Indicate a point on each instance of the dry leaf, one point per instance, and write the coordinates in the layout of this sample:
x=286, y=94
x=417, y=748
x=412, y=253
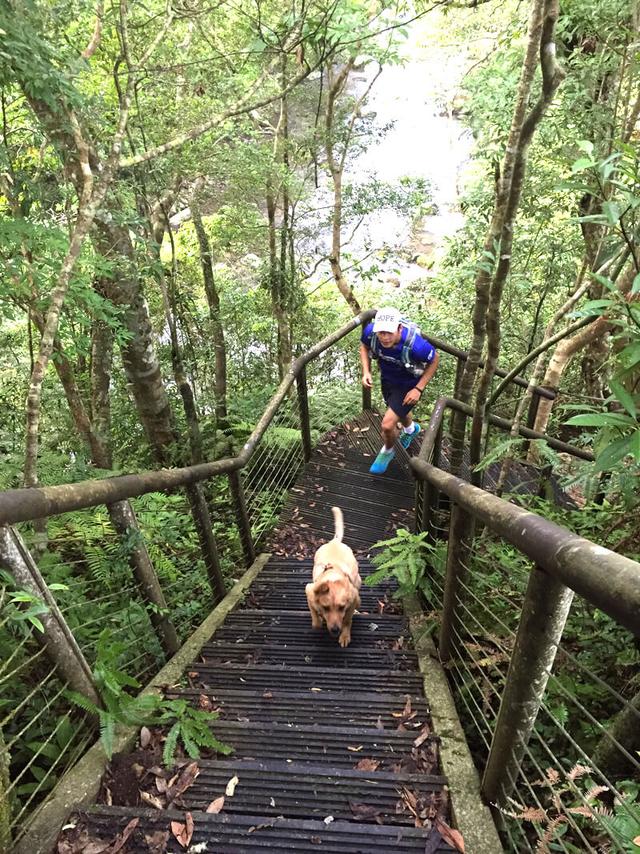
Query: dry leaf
x=355, y=749
x=267, y=695
x=95, y=848
x=379, y=724
x=368, y=765
x=424, y=735
x=157, y=841
x=215, y=806
x=205, y=703
x=231, y=786
x=184, y=780
x=121, y=839
x=152, y=800
x=328, y=819
x=363, y=810
x=450, y=835
x=145, y=737
x=183, y=832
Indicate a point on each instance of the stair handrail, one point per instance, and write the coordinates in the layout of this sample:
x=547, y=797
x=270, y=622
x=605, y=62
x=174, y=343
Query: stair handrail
x=25, y=504
x=563, y=563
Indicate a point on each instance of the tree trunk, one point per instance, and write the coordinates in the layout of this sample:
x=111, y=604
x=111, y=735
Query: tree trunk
x=213, y=302
x=568, y=348
x=336, y=170
x=121, y=513
x=608, y=758
x=60, y=644
x=139, y=358
x=541, y=43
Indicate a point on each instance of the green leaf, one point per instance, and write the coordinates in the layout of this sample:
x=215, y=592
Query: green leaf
x=634, y=446
x=624, y=397
x=581, y=164
x=170, y=744
x=612, y=212
x=603, y=419
x=635, y=287
x=613, y=453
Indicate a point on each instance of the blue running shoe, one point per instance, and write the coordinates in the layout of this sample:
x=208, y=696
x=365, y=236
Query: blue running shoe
x=407, y=438
x=379, y=465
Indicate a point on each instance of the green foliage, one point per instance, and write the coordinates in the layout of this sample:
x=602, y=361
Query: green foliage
x=408, y=558
x=189, y=727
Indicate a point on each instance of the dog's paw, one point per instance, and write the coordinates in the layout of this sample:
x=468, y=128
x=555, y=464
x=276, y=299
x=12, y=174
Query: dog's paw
x=344, y=639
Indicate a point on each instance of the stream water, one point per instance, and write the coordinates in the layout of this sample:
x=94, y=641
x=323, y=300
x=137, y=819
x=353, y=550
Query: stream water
x=422, y=141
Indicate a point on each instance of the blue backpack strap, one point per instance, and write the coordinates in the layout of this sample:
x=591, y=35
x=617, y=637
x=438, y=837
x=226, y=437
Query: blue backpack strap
x=374, y=346
x=412, y=331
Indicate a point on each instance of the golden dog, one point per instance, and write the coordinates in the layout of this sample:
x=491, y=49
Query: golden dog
x=333, y=595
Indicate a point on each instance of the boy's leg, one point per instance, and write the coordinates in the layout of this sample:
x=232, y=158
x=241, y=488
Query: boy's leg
x=389, y=428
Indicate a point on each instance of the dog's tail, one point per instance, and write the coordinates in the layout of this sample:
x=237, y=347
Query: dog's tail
x=338, y=521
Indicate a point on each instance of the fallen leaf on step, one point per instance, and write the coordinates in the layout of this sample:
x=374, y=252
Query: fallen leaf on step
x=185, y=779
x=157, y=841
x=231, y=786
x=152, y=800
x=355, y=749
x=450, y=835
x=215, y=806
x=121, y=839
x=145, y=736
x=368, y=765
x=183, y=832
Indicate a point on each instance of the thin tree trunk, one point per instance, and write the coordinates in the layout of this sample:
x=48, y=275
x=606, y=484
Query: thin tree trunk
x=542, y=30
x=336, y=86
x=121, y=513
x=213, y=302
x=568, y=348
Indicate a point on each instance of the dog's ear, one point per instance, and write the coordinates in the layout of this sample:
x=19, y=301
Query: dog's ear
x=322, y=588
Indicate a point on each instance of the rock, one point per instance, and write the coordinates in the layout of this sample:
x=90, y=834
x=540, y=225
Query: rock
x=393, y=280
x=424, y=261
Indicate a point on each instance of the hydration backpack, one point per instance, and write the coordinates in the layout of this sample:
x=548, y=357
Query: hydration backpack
x=414, y=368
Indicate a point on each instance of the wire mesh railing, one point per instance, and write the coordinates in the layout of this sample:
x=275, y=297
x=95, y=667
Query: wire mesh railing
x=90, y=570
x=576, y=781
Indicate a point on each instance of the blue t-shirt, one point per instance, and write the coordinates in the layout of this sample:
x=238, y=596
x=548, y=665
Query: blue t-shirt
x=395, y=373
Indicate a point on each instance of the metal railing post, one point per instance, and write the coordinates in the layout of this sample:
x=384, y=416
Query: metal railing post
x=303, y=403
x=206, y=538
x=456, y=388
x=366, y=399
x=58, y=640
x=461, y=529
x=242, y=517
x=544, y=613
x=430, y=495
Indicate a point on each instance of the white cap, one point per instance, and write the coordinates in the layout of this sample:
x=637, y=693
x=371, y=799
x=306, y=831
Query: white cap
x=386, y=320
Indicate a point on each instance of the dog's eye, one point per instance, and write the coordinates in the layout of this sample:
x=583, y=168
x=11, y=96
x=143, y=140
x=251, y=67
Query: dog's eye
x=341, y=607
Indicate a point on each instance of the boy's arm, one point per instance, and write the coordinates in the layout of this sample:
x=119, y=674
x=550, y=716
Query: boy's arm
x=365, y=361
x=428, y=374
x=414, y=394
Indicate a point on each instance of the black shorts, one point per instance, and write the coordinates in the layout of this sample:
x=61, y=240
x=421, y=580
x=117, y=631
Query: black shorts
x=394, y=396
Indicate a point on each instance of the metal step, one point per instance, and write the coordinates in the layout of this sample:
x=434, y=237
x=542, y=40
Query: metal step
x=321, y=745
x=320, y=656
x=262, y=676
x=273, y=705
x=272, y=787
x=246, y=834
